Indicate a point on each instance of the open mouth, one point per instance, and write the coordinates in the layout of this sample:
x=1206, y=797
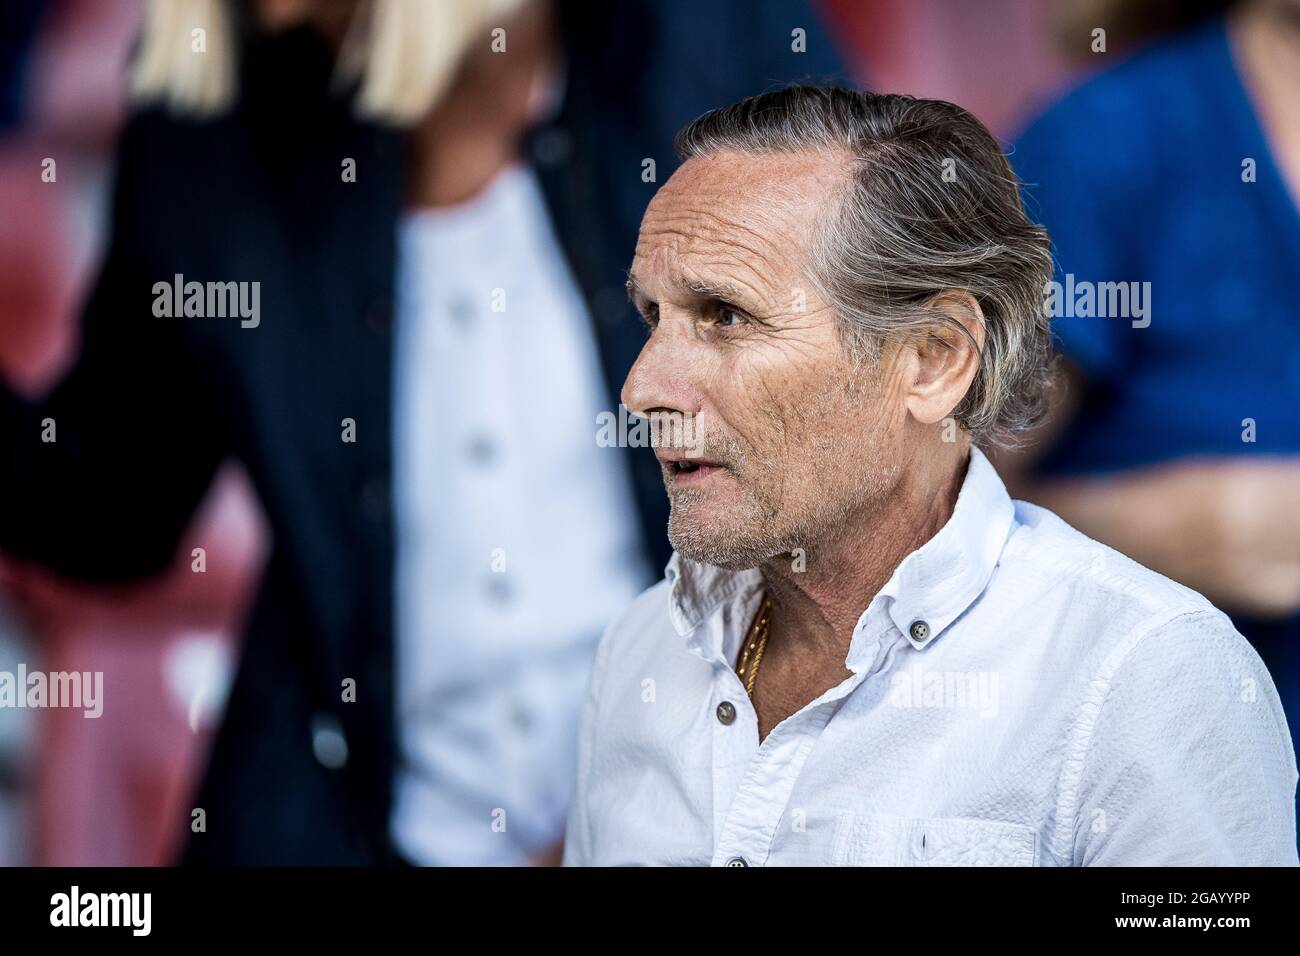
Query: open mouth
x=688, y=472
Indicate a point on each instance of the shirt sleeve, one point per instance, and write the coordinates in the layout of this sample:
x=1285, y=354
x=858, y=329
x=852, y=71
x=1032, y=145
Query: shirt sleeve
x=1189, y=761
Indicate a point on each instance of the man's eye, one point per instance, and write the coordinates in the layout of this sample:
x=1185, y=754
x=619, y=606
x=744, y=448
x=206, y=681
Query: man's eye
x=728, y=317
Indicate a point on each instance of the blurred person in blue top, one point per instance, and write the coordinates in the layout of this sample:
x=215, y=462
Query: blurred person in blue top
x=1170, y=183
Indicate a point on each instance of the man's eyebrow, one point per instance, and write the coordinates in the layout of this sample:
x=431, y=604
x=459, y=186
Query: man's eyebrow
x=712, y=290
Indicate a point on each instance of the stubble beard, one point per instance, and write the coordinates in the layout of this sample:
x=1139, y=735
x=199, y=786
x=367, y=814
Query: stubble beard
x=766, y=519
x=765, y=528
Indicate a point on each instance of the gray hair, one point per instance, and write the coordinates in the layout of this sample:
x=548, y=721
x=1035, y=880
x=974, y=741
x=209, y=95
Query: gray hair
x=904, y=232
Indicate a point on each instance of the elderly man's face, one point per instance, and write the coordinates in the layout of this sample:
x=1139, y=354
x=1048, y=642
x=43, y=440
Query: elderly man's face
x=797, y=441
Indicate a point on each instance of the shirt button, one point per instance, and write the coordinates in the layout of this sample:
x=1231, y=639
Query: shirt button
x=726, y=712
x=328, y=744
x=919, y=630
x=737, y=861
x=462, y=312
x=522, y=718
x=481, y=450
x=499, y=589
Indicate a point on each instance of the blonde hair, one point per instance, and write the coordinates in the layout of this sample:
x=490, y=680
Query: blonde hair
x=404, y=52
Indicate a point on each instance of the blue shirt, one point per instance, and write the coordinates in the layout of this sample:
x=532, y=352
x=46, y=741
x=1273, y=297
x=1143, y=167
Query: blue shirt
x=1141, y=175
x=1138, y=176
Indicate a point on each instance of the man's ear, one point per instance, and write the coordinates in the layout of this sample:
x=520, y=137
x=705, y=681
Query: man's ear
x=945, y=358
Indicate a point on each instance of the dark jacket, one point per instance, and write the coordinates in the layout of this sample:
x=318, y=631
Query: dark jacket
x=155, y=404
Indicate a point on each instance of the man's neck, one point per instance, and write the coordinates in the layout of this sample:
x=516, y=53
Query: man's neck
x=815, y=609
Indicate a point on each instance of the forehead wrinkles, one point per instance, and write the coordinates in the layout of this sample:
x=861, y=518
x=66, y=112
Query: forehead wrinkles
x=694, y=244
x=755, y=226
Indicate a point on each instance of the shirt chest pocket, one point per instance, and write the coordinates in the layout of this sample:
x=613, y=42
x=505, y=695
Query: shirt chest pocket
x=872, y=839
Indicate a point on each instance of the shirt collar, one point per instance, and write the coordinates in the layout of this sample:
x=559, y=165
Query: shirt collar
x=928, y=591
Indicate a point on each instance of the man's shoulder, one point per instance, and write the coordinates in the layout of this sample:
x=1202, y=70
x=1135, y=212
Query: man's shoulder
x=1127, y=600
x=1144, y=642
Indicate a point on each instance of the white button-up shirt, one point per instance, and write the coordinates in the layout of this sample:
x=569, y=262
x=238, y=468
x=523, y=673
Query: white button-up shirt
x=517, y=537
x=1061, y=705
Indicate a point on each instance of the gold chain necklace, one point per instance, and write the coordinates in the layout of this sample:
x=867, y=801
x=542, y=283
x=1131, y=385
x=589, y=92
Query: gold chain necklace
x=755, y=644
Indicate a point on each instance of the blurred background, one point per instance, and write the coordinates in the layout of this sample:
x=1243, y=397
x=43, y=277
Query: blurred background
x=1146, y=155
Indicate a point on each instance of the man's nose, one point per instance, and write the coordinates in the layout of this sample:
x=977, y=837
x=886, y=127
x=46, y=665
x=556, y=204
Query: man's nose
x=660, y=379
